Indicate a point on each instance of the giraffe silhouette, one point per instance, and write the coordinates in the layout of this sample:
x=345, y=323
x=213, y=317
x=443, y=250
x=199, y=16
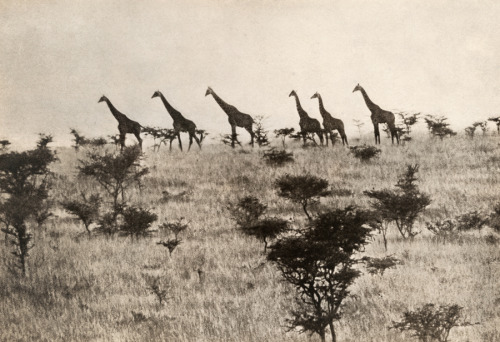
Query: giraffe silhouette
x=330, y=123
x=125, y=125
x=379, y=116
x=181, y=124
x=307, y=124
x=234, y=116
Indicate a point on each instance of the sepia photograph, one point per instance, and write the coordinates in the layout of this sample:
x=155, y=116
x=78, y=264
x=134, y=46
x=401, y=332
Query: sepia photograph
x=250, y=170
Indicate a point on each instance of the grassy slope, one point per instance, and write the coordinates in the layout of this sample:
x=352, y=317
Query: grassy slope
x=89, y=289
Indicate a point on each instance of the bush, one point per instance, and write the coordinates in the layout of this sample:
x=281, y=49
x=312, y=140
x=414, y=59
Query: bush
x=403, y=205
x=247, y=211
x=87, y=210
x=379, y=265
x=319, y=263
x=260, y=132
x=304, y=190
x=471, y=220
x=431, y=322
x=24, y=177
x=137, y=221
x=283, y=133
x=365, y=152
x=277, y=157
x=115, y=173
x=266, y=229
x=438, y=126
x=442, y=228
x=175, y=228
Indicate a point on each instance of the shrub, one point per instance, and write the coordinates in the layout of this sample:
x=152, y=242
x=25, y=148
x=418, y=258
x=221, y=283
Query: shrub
x=160, y=136
x=403, y=205
x=260, y=132
x=247, y=211
x=364, y=152
x=283, y=133
x=379, y=265
x=471, y=220
x=431, y=322
x=115, y=173
x=158, y=288
x=358, y=124
x=4, y=145
x=319, y=263
x=202, y=133
x=227, y=139
x=438, y=126
x=87, y=209
x=175, y=227
x=442, y=228
x=171, y=244
x=137, y=221
x=277, y=157
x=303, y=190
x=25, y=178
x=266, y=229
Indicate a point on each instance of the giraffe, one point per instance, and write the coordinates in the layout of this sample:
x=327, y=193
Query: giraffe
x=379, y=116
x=330, y=123
x=181, y=124
x=125, y=125
x=235, y=117
x=307, y=124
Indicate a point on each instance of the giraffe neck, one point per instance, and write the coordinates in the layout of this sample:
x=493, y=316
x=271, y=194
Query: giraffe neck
x=371, y=106
x=300, y=110
x=227, y=108
x=176, y=115
x=322, y=109
x=118, y=116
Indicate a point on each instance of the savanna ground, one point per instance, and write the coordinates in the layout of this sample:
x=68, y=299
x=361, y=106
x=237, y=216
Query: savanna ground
x=81, y=288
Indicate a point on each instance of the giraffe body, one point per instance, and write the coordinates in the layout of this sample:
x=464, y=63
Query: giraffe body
x=234, y=117
x=125, y=125
x=306, y=123
x=181, y=124
x=330, y=123
x=379, y=116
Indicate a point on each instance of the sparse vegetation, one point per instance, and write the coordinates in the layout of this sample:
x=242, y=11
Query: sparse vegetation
x=86, y=209
x=283, y=133
x=304, y=190
x=403, y=205
x=275, y=157
x=431, y=322
x=25, y=181
x=260, y=132
x=365, y=152
x=438, y=126
x=319, y=264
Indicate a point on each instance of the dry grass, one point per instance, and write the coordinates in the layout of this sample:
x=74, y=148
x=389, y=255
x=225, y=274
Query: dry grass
x=94, y=289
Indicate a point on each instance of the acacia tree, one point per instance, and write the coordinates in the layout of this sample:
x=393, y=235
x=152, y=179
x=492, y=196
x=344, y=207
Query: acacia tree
x=305, y=190
x=115, y=173
x=319, y=262
x=25, y=182
x=402, y=205
x=438, y=126
x=283, y=133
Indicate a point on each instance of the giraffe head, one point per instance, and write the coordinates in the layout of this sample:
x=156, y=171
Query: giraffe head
x=357, y=88
x=102, y=99
x=293, y=93
x=156, y=94
x=209, y=91
x=315, y=96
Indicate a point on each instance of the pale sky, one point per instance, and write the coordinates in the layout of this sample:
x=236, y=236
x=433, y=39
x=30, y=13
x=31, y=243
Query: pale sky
x=57, y=58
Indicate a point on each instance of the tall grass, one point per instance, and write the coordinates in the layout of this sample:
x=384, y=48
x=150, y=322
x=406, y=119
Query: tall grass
x=94, y=289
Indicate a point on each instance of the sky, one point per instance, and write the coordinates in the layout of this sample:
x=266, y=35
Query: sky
x=57, y=58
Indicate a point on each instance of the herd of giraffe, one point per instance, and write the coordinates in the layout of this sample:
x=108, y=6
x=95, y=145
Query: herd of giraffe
x=238, y=119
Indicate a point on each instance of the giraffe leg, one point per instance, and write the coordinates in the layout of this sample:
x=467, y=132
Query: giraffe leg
x=331, y=138
x=138, y=136
x=233, y=135
x=320, y=134
x=252, y=135
x=327, y=133
x=122, y=141
x=377, y=133
x=193, y=135
x=179, y=138
x=304, y=137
